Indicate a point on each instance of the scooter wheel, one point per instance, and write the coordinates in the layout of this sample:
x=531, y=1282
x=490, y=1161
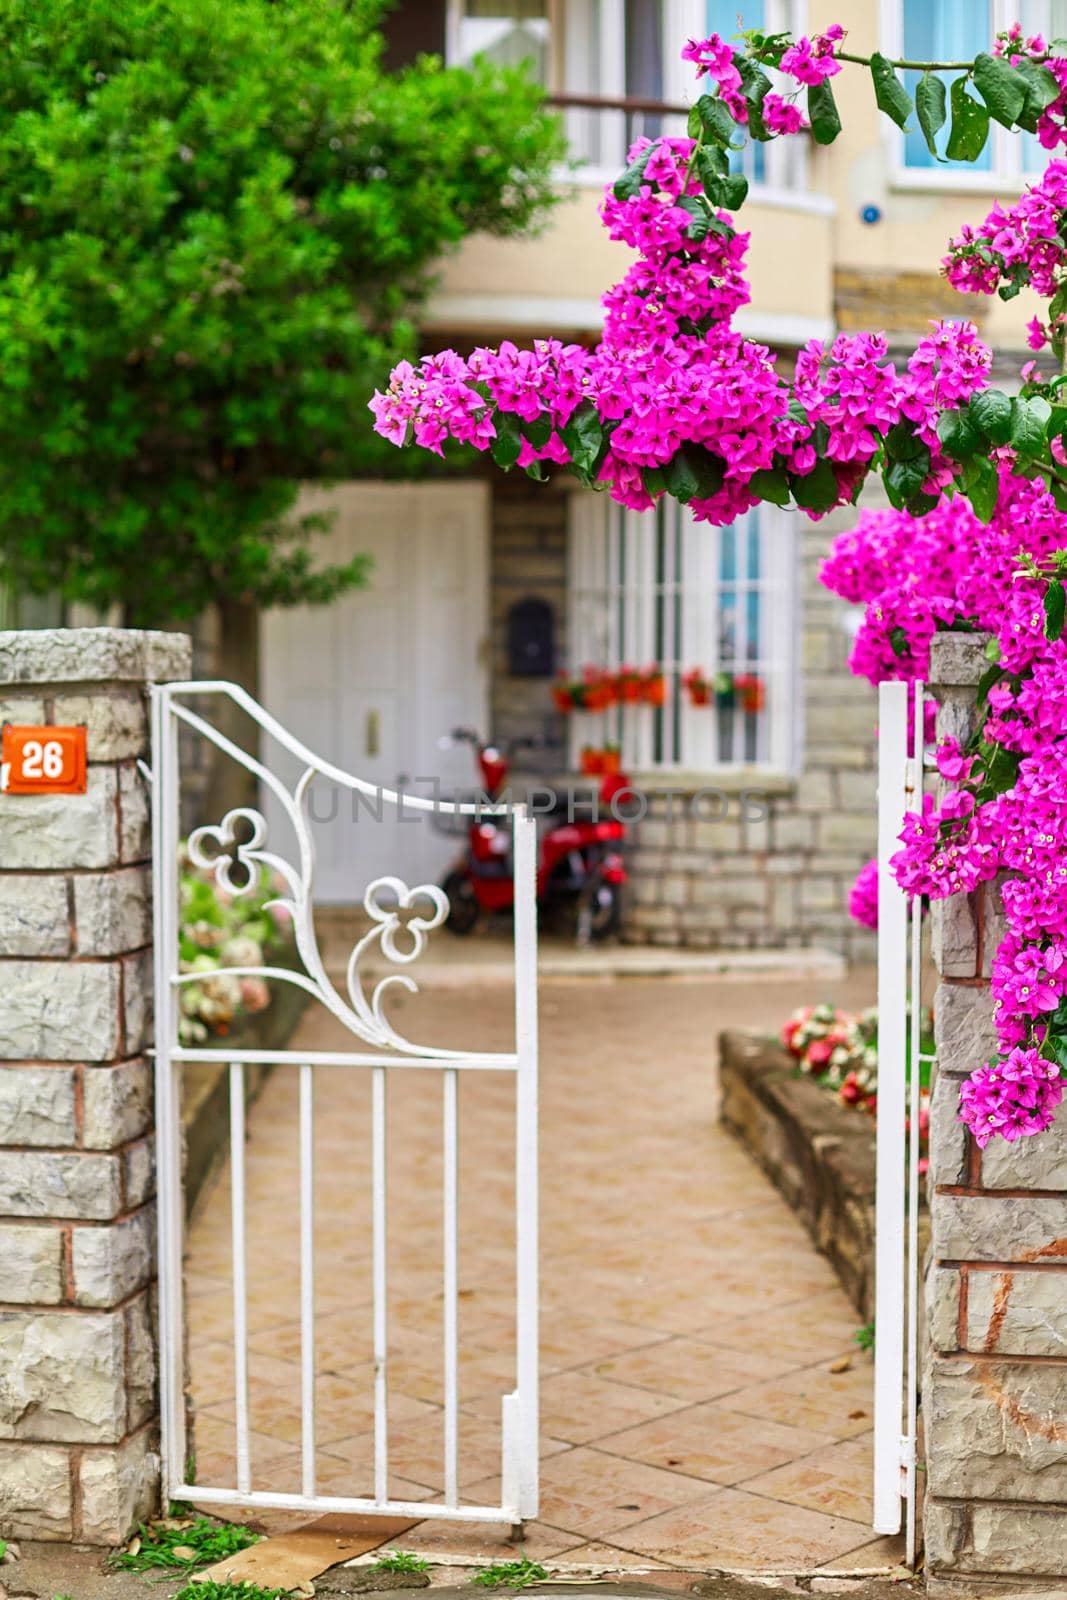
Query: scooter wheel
x=463, y=907
x=599, y=910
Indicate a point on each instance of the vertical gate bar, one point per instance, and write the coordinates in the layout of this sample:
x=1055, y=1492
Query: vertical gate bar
x=451, y=1265
x=526, y=1206
x=892, y=1045
x=915, y=1105
x=307, y=1278
x=240, y=1276
x=381, y=1319
x=165, y=779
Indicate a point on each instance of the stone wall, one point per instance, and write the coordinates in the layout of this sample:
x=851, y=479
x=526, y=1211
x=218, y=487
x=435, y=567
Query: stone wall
x=995, y=1384
x=77, y=1345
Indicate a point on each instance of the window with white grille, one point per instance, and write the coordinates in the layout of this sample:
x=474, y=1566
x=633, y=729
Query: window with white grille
x=658, y=590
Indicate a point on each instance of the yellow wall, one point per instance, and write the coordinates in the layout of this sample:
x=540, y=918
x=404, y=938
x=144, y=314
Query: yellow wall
x=554, y=282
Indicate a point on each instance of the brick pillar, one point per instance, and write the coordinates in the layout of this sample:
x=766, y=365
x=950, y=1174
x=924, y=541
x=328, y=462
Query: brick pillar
x=995, y=1384
x=78, y=1447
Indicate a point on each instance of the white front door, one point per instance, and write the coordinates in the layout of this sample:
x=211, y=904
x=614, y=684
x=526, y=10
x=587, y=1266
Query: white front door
x=372, y=681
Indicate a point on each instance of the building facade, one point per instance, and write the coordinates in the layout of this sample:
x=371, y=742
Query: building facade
x=754, y=758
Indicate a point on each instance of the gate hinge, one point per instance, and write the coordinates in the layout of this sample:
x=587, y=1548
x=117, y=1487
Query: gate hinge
x=907, y=1451
x=909, y=775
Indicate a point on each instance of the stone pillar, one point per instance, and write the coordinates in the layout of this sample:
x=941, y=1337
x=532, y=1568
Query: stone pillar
x=78, y=1447
x=995, y=1383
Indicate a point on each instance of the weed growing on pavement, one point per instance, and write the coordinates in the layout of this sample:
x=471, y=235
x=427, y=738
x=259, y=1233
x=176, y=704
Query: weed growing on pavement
x=400, y=1561
x=511, y=1575
x=176, y=1543
x=229, y=1591
x=864, y=1336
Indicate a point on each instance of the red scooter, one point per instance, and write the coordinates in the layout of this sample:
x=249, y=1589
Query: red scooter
x=580, y=868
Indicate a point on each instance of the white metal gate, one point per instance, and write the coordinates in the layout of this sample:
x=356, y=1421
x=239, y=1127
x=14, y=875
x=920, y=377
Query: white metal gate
x=364, y=1015
x=897, y=1265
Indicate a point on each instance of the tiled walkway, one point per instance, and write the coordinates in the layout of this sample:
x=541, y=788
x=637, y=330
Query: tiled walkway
x=690, y=1414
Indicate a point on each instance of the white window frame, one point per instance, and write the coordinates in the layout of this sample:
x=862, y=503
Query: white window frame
x=1006, y=173
x=586, y=64
x=612, y=617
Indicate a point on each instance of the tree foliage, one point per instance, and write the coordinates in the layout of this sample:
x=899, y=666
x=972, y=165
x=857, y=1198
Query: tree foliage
x=218, y=220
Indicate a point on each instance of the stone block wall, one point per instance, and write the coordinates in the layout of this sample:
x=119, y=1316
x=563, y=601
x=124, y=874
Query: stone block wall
x=78, y=1450
x=995, y=1382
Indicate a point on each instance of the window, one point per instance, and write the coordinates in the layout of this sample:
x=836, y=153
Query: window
x=956, y=30
x=617, y=50
x=781, y=163
x=657, y=588
x=506, y=32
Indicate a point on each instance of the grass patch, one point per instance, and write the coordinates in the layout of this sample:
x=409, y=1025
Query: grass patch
x=174, y=1544
x=400, y=1561
x=864, y=1336
x=230, y=1591
x=511, y=1575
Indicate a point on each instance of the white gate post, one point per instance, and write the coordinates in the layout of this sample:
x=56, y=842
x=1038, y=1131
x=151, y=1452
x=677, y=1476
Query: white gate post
x=77, y=1340
x=892, y=1048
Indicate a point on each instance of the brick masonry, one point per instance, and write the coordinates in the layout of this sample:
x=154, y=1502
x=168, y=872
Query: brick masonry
x=995, y=1382
x=773, y=872
x=78, y=1445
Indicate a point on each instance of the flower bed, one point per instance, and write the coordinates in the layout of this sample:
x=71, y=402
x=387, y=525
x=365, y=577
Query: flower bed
x=216, y=934
x=805, y=1109
x=819, y=1153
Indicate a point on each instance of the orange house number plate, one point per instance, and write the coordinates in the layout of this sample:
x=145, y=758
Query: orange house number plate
x=42, y=760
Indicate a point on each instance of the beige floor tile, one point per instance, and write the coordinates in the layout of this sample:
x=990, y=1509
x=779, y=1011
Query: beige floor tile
x=709, y=1441
x=689, y=1370
x=877, y=1556
x=836, y=1479
x=837, y=1403
x=735, y=1529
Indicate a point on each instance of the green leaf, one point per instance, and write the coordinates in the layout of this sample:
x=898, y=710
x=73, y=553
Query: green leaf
x=1041, y=90
x=1055, y=605
x=1029, y=422
x=890, y=93
x=693, y=473
x=982, y=488
x=898, y=640
x=723, y=188
x=695, y=125
x=903, y=443
x=628, y=185
x=1001, y=87
x=906, y=478
x=970, y=124
x=991, y=412
x=822, y=113
x=538, y=430
x=990, y=676
x=958, y=434
x=505, y=448
x=770, y=483
x=930, y=105
x=817, y=490
x=992, y=652
x=719, y=125
x=583, y=434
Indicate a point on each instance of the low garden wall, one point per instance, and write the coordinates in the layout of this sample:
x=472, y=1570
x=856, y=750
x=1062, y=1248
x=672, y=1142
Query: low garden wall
x=818, y=1153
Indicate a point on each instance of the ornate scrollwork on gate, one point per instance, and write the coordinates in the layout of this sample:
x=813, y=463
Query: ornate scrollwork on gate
x=235, y=863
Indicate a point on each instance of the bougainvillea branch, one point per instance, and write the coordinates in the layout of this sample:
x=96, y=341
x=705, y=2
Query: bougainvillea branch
x=673, y=401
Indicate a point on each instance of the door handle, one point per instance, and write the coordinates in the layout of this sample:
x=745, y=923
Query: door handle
x=373, y=728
